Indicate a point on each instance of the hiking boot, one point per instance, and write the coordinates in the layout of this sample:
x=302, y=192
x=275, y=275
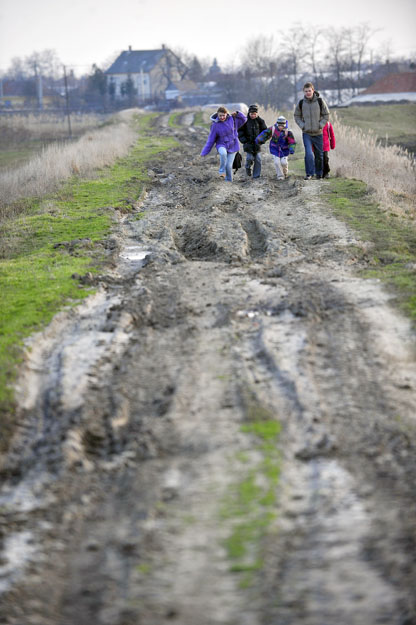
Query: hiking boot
x=307, y=177
x=222, y=175
x=248, y=172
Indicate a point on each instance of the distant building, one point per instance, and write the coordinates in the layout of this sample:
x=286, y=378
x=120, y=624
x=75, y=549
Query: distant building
x=214, y=70
x=399, y=87
x=143, y=75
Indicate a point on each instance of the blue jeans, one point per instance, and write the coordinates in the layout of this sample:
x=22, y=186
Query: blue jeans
x=257, y=163
x=313, y=154
x=226, y=163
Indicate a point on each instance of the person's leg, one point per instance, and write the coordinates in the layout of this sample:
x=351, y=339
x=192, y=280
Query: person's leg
x=257, y=165
x=309, y=157
x=223, y=159
x=318, y=151
x=229, y=166
x=249, y=163
x=326, y=169
x=285, y=166
x=278, y=167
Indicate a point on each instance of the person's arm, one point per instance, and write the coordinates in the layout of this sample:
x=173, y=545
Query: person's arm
x=290, y=138
x=324, y=114
x=299, y=117
x=332, y=141
x=264, y=136
x=239, y=119
x=242, y=134
x=210, y=141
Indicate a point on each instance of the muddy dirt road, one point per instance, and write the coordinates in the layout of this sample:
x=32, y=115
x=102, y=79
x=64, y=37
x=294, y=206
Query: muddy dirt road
x=225, y=433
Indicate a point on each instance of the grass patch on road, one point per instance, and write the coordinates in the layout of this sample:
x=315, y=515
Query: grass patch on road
x=56, y=237
x=391, y=257
x=250, y=504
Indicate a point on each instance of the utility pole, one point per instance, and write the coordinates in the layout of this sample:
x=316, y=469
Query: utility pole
x=67, y=104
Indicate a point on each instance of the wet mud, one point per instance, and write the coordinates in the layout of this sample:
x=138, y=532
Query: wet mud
x=226, y=305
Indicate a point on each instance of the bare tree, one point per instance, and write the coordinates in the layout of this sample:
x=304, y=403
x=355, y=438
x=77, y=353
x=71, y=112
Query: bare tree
x=363, y=35
x=258, y=55
x=46, y=63
x=337, y=41
x=173, y=67
x=294, y=47
x=314, y=37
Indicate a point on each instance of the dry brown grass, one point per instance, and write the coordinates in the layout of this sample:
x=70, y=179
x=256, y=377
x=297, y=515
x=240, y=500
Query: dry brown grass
x=46, y=126
x=389, y=171
x=58, y=162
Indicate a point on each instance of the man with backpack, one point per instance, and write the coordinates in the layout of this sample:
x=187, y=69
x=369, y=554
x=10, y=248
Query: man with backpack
x=311, y=115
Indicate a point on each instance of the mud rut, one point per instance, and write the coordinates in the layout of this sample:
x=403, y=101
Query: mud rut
x=221, y=299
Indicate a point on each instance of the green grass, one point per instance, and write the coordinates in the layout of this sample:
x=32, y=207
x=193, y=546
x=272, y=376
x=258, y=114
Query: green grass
x=36, y=276
x=174, y=119
x=199, y=120
x=250, y=504
x=392, y=257
x=396, y=121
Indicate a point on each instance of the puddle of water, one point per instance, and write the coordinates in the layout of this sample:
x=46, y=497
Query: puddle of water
x=134, y=253
x=248, y=313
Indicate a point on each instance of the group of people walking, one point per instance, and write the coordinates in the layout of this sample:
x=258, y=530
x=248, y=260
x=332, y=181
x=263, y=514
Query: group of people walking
x=312, y=117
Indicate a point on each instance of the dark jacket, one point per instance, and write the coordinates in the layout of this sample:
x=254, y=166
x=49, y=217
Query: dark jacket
x=249, y=131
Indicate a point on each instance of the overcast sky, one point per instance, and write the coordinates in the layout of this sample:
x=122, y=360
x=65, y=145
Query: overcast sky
x=84, y=32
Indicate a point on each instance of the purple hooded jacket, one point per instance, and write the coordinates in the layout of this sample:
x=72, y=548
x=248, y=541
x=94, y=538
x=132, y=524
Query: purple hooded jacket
x=224, y=133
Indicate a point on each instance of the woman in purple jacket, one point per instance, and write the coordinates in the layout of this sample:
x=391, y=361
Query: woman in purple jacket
x=224, y=134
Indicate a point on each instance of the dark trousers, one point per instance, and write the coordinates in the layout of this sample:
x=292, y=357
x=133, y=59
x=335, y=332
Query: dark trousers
x=313, y=154
x=326, y=168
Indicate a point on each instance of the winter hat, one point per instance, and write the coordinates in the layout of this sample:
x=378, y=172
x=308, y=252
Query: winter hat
x=253, y=108
x=281, y=120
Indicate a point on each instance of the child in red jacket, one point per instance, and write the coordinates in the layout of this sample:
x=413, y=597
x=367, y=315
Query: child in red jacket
x=328, y=144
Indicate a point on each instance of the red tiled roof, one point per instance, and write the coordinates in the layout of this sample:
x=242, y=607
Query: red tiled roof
x=394, y=83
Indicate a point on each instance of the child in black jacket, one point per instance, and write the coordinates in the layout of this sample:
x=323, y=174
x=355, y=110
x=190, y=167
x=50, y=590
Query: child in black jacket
x=247, y=135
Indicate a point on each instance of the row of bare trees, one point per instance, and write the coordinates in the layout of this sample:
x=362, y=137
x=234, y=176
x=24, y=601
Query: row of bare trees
x=316, y=52
x=269, y=69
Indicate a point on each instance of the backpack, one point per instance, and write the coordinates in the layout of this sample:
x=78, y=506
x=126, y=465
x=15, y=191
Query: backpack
x=238, y=161
x=320, y=104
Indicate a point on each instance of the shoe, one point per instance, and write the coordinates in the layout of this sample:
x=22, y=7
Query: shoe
x=222, y=175
x=319, y=177
x=308, y=177
x=248, y=172
x=280, y=178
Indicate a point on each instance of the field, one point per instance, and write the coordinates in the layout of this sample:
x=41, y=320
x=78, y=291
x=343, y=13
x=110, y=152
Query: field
x=391, y=123
x=22, y=137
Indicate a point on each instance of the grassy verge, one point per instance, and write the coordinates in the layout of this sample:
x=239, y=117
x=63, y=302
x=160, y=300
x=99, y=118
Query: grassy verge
x=250, y=505
x=392, y=255
x=57, y=237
